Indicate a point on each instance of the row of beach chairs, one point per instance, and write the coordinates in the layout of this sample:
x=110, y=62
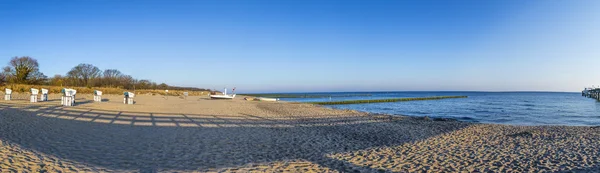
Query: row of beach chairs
x=68, y=96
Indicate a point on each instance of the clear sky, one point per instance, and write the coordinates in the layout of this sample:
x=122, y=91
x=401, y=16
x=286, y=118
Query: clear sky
x=295, y=46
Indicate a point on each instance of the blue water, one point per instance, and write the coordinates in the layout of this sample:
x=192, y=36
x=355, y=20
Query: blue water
x=516, y=108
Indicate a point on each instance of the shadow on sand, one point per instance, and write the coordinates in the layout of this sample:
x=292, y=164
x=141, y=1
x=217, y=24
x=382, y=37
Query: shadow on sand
x=150, y=142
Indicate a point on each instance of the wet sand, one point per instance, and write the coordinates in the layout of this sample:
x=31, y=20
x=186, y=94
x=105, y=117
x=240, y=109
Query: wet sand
x=196, y=134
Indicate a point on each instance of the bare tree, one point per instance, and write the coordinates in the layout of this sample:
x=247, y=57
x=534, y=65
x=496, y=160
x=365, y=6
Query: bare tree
x=111, y=77
x=163, y=86
x=4, y=75
x=3, y=79
x=112, y=73
x=143, y=84
x=127, y=81
x=57, y=80
x=23, y=70
x=84, y=74
x=153, y=86
x=38, y=78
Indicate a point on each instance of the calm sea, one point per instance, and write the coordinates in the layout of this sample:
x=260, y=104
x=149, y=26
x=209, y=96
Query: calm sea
x=516, y=108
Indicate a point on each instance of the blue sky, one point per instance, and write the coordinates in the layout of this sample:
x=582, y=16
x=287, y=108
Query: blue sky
x=294, y=46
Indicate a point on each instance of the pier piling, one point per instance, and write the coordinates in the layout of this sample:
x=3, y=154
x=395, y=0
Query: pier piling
x=591, y=93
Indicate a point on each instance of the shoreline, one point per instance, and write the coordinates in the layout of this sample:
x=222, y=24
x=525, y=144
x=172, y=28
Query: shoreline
x=201, y=135
x=367, y=101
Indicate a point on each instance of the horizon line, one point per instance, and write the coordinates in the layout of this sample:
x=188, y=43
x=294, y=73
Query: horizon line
x=523, y=91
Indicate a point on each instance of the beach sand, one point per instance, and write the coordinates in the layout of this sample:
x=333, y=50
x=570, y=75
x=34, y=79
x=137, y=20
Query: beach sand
x=196, y=134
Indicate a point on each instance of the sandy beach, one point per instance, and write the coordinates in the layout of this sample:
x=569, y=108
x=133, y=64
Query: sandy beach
x=196, y=134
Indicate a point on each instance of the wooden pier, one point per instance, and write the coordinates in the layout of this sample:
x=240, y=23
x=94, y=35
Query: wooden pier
x=591, y=93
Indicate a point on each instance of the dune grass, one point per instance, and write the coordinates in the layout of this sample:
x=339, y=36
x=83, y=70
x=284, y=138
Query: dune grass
x=384, y=100
x=21, y=88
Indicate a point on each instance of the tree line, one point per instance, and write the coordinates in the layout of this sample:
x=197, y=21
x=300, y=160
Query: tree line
x=25, y=70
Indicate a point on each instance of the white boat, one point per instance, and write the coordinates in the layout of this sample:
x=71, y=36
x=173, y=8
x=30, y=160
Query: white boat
x=223, y=96
x=267, y=99
x=231, y=96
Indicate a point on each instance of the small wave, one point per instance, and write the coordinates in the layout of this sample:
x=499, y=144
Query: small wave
x=467, y=119
x=577, y=116
x=502, y=120
x=503, y=108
